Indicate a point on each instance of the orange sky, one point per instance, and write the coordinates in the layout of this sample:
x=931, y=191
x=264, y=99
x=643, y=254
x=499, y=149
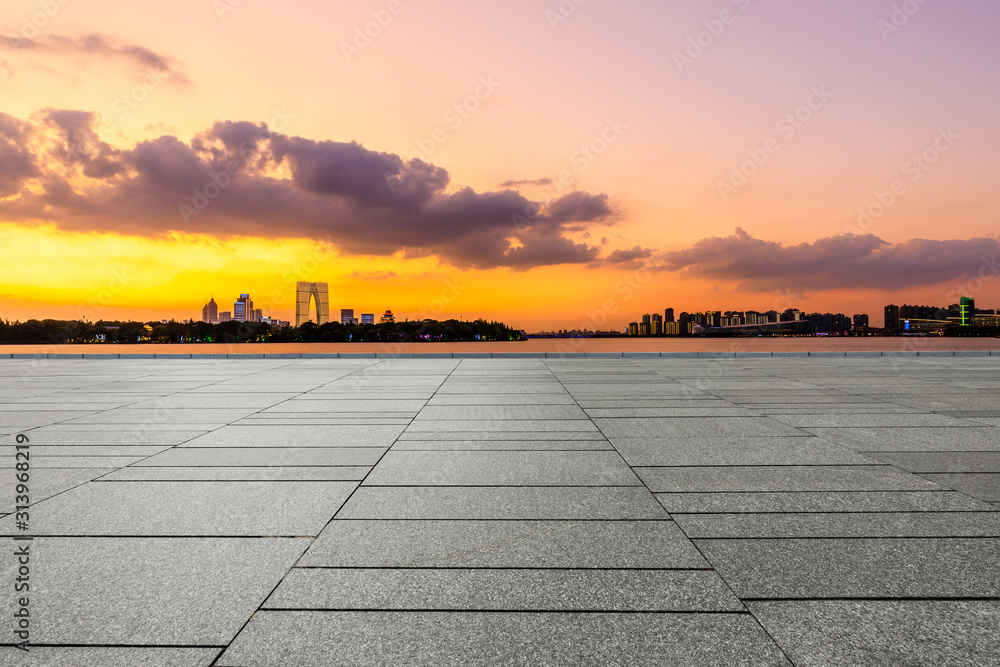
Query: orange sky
x=884, y=101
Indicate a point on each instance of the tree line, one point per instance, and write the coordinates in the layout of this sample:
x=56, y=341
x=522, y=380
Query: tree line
x=63, y=331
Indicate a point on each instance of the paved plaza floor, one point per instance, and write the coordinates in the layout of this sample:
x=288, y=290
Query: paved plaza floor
x=733, y=511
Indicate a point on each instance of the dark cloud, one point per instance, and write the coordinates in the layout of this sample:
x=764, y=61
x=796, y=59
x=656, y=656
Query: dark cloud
x=102, y=46
x=241, y=178
x=77, y=142
x=516, y=184
x=629, y=255
x=16, y=162
x=835, y=262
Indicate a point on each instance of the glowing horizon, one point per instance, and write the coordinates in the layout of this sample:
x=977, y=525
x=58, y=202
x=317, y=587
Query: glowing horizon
x=526, y=162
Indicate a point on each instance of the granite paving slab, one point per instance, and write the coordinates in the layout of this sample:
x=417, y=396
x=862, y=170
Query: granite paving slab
x=941, y=462
x=526, y=503
x=298, y=436
x=62, y=436
x=494, y=426
x=150, y=591
x=914, y=439
x=748, y=451
x=857, y=568
x=313, y=639
x=109, y=656
x=48, y=483
x=526, y=468
x=782, y=478
x=533, y=544
x=731, y=427
x=265, y=456
x=853, y=633
x=443, y=444
x=842, y=420
x=299, y=473
x=504, y=590
x=502, y=399
x=499, y=412
x=985, y=486
x=843, y=524
x=806, y=501
x=501, y=435
x=188, y=509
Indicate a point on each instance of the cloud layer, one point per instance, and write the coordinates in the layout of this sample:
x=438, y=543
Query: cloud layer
x=832, y=263
x=100, y=46
x=241, y=178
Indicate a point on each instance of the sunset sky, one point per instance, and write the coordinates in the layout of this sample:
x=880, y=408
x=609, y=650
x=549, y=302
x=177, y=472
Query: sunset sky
x=549, y=164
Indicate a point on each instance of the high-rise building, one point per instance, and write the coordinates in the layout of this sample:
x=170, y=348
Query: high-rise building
x=346, y=315
x=891, y=317
x=657, y=329
x=367, y=318
x=258, y=315
x=305, y=294
x=243, y=309
x=645, y=328
x=966, y=311
x=210, y=313
x=861, y=321
x=668, y=315
x=225, y=316
x=633, y=328
x=671, y=328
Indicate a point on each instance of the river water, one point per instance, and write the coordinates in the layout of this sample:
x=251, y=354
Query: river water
x=791, y=344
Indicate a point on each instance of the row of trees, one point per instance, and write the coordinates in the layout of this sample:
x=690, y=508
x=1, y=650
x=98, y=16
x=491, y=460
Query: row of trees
x=60, y=331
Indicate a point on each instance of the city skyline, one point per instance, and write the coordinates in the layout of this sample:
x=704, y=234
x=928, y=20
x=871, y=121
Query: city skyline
x=829, y=157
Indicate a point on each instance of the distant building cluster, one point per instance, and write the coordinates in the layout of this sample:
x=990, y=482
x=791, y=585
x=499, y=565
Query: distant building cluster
x=347, y=317
x=307, y=294
x=654, y=324
x=931, y=318
x=898, y=319
x=243, y=311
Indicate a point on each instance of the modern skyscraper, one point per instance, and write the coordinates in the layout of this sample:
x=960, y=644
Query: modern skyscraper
x=645, y=328
x=305, y=293
x=367, y=318
x=657, y=328
x=210, y=313
x=966, y=311
x=668, y=315
x=243, y=309
x=891, y=320
x=860, y=321
x=346, y=315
